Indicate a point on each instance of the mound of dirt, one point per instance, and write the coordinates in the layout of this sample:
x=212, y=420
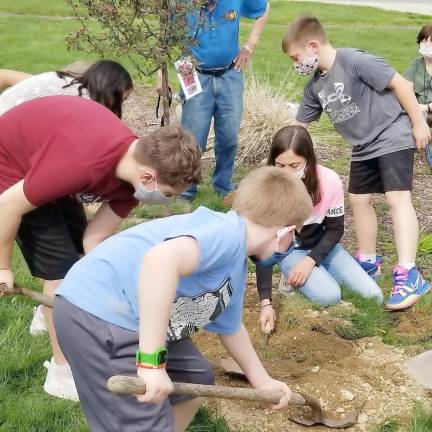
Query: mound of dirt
x=312, y=358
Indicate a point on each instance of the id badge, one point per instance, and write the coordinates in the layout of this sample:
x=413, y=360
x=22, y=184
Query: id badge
x=188, y=77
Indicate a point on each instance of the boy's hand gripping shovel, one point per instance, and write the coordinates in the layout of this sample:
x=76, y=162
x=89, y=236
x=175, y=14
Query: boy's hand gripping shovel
x=34, y=295
x=134, y=385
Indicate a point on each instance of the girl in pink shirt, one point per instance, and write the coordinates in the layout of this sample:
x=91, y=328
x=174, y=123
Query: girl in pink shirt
x=319, y=265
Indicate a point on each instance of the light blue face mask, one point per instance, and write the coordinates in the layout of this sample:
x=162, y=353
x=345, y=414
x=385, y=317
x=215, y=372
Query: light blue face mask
x=155, y=197
x=277, y=256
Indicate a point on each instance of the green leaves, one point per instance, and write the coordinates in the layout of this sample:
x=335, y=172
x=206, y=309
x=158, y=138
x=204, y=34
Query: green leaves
x=152, y=34
x=425, y=245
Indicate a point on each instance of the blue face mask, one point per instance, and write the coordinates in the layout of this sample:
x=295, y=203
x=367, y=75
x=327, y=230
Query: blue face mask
x=277, y=256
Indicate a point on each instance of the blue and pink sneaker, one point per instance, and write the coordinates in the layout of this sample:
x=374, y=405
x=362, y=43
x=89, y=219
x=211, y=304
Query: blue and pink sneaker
x=409, y=286
x=373, y=269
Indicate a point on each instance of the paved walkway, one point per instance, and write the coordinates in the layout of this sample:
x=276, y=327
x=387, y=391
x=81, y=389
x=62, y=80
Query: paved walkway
x=417, y=6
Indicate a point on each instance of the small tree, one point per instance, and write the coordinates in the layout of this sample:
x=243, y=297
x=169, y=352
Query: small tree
x=153, y=34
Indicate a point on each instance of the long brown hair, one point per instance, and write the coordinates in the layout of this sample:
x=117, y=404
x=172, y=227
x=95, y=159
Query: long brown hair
x=297, y=139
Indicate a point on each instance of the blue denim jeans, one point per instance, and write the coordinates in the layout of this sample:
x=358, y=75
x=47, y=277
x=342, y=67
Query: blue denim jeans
x=221, y=99
x=338, y=267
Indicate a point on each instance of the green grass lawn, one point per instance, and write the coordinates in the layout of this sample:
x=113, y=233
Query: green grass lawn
x=34, y=43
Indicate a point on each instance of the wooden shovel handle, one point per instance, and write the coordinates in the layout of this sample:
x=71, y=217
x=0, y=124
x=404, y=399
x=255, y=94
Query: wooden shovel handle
x=134, y=385
x=34, y=295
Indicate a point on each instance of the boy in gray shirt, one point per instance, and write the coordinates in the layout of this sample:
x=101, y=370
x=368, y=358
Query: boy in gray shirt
x=375, y=110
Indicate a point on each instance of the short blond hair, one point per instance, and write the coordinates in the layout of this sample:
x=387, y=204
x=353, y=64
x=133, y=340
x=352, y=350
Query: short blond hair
x=173, y=153
x=272, y=197
x=302, y=30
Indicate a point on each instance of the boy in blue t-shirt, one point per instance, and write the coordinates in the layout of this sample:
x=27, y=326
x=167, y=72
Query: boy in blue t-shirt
x=130, y=306
x=375, y=110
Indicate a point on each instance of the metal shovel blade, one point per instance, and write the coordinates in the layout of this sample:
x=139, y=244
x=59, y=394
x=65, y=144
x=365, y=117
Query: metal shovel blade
x=318, y=417
x=420, y=368
x=348, y=421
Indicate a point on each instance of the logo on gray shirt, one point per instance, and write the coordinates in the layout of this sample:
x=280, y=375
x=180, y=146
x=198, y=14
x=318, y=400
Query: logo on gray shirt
x=337, y=105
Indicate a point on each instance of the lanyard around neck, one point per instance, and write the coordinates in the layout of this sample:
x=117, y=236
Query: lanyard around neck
x=205, y=12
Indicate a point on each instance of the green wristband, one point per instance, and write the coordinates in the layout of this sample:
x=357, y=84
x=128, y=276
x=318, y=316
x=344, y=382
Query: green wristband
x=157, y=358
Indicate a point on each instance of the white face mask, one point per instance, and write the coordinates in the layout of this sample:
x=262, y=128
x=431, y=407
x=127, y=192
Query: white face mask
x=308, y=66
x=300, y=173
x=425, y=49
x=154, y=197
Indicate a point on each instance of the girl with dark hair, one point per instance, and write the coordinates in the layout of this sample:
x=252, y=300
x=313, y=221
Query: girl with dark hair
x=106, y=82
x=420, y=75
x=319, y=264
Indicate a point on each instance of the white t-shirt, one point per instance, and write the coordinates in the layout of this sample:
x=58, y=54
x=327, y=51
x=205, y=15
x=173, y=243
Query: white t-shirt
x=37, y=86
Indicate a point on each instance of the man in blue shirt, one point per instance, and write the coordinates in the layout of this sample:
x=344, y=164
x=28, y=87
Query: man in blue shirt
x=130, y=306
x=220, y=61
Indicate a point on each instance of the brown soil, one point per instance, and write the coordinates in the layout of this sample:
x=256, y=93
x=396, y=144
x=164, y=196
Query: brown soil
x=139, y=110
x=373, y=372
x=413, y=325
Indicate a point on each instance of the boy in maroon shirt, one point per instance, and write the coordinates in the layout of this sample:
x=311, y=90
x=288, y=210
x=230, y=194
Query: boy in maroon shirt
x=58, y=152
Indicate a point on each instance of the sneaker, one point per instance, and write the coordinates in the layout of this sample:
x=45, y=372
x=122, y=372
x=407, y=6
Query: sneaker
x=38, y=325
x=409, y=285
x=373, y=269
x=59, y=381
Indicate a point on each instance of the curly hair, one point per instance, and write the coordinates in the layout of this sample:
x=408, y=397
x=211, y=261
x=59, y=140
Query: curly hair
x=173, y=153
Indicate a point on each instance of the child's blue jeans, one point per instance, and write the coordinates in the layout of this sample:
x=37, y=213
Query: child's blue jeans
x=338, y=267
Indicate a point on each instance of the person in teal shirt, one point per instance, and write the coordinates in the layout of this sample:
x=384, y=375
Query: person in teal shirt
x=420, y=75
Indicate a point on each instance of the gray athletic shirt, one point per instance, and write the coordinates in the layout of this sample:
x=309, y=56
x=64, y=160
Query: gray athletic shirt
x=354, y=95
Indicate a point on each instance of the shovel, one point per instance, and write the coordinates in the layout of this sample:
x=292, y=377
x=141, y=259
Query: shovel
x=133, y=385
x=34, y=295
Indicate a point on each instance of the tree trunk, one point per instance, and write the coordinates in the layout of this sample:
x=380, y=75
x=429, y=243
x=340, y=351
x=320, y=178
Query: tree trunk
x=165, y=96
x=166, y=118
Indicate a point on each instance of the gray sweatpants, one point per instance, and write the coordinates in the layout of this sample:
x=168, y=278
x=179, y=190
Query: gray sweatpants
x=96, y=350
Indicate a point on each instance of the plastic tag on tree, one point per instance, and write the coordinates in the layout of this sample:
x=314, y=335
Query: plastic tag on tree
x=188, y=77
